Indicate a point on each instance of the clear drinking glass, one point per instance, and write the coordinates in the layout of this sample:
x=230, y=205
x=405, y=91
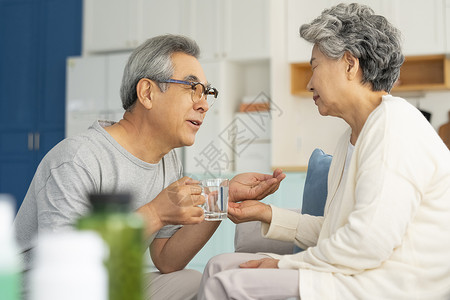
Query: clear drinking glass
x=215, y=191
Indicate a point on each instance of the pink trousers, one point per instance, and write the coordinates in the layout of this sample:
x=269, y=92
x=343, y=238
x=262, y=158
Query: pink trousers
x=223, y=279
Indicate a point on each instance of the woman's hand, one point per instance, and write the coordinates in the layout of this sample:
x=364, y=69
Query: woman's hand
x=250, y=210
x=254, y=186
x=264, y=263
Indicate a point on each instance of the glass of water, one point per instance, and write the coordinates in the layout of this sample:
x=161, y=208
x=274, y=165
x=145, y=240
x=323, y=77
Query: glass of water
x=215, y=191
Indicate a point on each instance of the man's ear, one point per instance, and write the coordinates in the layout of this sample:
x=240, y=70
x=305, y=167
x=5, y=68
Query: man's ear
x=144, y=91
x=352, y=65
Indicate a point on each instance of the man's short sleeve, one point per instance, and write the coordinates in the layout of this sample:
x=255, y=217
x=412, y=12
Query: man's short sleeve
x=167, y=231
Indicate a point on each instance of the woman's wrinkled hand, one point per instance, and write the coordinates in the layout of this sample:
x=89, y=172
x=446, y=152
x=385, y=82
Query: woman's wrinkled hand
x=264, y=263
x=250, y=210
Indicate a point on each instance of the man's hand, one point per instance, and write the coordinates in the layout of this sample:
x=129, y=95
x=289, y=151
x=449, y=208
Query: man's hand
x=177, y=204
x=250, y=210
x=254, y=186
x=265, y=263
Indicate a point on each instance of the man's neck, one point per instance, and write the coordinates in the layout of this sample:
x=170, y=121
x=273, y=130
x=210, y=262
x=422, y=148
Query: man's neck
x=137, y=139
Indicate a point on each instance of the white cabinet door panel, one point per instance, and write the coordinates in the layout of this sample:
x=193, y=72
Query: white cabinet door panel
x=422, y=24
x=298, y=13
x=170, y=17
x=247, y=29
x=109, y=25
x=447, y=26
x=203, y=26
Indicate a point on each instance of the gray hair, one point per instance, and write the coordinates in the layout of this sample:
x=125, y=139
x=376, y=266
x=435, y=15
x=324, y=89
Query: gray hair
x=369, y=37
x=152, y=60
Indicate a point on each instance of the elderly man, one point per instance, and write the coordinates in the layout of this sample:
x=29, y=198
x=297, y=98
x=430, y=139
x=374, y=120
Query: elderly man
x=165, y=95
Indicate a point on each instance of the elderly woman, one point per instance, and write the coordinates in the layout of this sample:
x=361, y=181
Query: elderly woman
x=386, y=229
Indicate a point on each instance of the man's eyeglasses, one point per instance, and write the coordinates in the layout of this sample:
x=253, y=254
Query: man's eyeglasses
x=199, y=90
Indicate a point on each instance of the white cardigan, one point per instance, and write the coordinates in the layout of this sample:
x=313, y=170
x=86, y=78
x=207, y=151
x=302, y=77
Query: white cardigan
x=388, y=235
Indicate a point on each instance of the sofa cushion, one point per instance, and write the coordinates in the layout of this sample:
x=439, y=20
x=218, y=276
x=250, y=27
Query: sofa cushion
x=315, y=190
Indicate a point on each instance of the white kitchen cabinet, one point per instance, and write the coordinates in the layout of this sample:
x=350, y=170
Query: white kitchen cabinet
x=204, y=26
x=246, y=29
x=298, y=13
x=158, y=17
x=117, y=25
x=447, y=25
x=422, y=23
x=110, y=25
x=93, y=85
x=231, y=29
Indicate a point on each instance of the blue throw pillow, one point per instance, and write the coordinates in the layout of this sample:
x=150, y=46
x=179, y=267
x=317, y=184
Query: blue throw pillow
x=315, y=191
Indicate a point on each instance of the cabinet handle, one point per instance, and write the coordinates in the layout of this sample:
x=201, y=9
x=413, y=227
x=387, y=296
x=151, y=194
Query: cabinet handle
x=37, y=138
x=30, y=141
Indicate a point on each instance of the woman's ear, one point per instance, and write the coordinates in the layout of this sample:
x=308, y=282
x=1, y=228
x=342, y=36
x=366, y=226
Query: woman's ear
x=352, y=65
x=144, y=91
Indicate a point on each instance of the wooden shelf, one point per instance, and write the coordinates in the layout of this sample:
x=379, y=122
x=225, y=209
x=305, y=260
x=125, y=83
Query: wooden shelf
x=418, y=73
x=291, y=168
x=300, y=75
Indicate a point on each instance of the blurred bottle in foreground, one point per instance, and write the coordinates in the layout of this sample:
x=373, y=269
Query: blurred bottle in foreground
x=10, y=284
x=123, y=231
x=69, y=265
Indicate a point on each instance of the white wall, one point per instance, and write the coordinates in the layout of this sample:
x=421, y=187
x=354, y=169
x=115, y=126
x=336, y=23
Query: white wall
x=437, y=103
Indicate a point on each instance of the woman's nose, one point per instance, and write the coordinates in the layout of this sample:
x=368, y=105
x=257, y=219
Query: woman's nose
x=309, y=86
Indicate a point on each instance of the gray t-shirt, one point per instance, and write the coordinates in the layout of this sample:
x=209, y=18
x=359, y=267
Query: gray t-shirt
x=92, y=162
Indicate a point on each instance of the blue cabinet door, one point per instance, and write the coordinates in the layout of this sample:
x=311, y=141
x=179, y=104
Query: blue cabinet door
x=18, y=95
x=36, y=36
x=61, y=23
